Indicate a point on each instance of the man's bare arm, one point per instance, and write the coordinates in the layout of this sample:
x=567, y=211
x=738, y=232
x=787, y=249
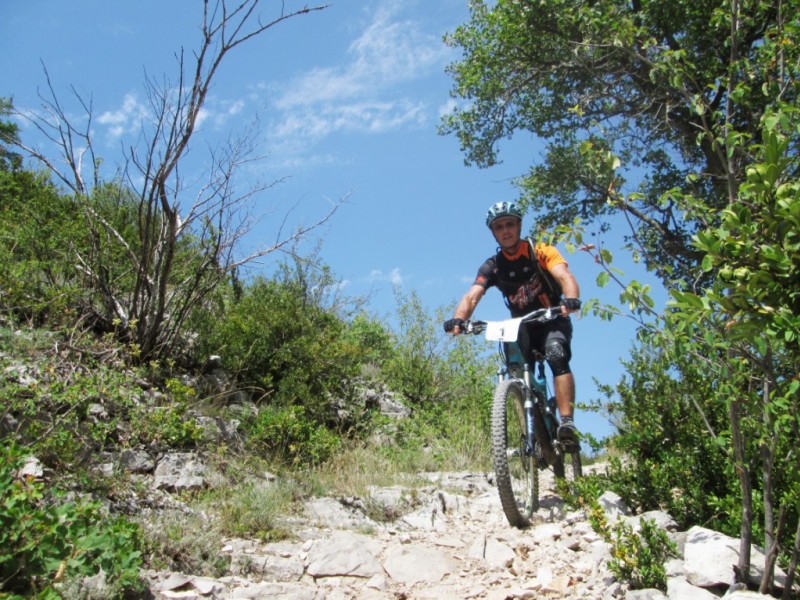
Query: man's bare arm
x=569, y=285
x=467, y=305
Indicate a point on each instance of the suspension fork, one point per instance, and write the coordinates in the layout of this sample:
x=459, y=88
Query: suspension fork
x=528, y=408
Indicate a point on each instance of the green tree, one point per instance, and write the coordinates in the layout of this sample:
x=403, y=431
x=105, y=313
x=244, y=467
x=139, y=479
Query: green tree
x=649, y=85
x=9, y=136
x=746, y=325
x=39, y=231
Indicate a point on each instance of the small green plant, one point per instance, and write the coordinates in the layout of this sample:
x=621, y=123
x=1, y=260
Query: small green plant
x=180, y=392
x=581, y=492
x=636, y=558
x=252, y=509
x=45, y=541
x=185, y=541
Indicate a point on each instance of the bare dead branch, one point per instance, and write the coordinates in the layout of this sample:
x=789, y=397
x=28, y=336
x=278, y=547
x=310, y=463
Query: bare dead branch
x=154, y=307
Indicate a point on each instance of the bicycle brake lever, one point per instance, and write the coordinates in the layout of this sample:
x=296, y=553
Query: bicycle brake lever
x=476, y=327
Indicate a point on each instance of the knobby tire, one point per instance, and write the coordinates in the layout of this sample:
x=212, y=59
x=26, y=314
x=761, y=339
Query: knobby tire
x=577, y=468
x=552, y=456
x=516, y=472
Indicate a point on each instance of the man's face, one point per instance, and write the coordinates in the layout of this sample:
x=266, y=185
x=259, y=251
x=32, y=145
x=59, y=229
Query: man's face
x=506, y=231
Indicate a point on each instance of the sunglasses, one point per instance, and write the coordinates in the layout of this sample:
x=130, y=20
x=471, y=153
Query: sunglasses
x=501, y=225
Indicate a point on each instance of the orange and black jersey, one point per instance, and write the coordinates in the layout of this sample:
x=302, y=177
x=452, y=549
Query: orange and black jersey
x=525, y=282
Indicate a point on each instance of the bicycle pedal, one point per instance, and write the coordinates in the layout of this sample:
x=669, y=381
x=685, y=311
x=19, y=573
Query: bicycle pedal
x=512, y=452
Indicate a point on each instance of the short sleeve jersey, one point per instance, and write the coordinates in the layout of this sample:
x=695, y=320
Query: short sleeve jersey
x=525, y=287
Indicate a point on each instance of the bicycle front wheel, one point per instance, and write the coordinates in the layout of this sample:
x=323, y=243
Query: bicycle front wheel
x=515, y=468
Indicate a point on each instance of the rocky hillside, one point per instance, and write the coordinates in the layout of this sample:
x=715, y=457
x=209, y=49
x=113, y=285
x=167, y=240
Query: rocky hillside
x=447, y=538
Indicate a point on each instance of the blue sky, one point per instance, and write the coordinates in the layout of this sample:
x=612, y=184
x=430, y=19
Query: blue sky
x=347, y=102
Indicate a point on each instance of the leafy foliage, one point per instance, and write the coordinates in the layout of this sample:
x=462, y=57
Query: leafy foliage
x=745, y=325
x=45, y=539
x=630, y=98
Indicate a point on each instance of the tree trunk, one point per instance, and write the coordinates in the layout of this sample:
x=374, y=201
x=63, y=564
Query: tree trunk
x=767, y=464
x=742, y=568
x=787, y=591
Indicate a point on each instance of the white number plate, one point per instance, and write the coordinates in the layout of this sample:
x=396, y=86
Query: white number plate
x=503, y=331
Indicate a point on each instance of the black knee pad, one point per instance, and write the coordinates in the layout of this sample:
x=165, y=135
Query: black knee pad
x=557, y=353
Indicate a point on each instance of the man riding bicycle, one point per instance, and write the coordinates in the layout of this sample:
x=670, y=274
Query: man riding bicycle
x=530, y=277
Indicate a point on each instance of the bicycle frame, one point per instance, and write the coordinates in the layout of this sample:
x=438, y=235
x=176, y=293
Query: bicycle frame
x=535, y=384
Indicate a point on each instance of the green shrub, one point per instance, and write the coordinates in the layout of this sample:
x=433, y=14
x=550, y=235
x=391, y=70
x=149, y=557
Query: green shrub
x=283, y=346
x=638, y=558
x=672, y=461
x=38, y=228
x=165, y=425
x=417, y=368
x=168, y=424
x=52, y=409
x=373, y=339
x=45, y=539
x=289, y=436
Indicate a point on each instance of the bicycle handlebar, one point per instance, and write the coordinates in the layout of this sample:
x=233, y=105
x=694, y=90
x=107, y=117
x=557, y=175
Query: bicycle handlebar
x=541, y=315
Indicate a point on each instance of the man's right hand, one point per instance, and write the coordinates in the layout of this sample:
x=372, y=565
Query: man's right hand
x=451, y=324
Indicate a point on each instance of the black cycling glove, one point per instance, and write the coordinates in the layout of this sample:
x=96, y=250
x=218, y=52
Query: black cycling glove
x=451, y=324
x=571, y=303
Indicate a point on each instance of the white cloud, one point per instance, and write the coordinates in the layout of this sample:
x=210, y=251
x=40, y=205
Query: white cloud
x=372, y=92
x=132, y=114
x=448, y=107
x=202, y=115
x=394, y=276
x=387, y=53
x=368, y=116
x=224, y=112
x=126, y=119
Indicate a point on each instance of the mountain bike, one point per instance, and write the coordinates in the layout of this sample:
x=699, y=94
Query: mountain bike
x=524, y=420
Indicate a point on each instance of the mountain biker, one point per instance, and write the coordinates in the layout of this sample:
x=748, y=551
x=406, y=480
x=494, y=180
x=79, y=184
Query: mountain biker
x=527, y=284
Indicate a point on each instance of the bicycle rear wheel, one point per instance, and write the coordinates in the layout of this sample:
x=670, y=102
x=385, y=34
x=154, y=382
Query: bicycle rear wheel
x=577, y=467
x=515, y=469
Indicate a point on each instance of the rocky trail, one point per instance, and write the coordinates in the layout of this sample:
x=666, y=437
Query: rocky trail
x=450, y=540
